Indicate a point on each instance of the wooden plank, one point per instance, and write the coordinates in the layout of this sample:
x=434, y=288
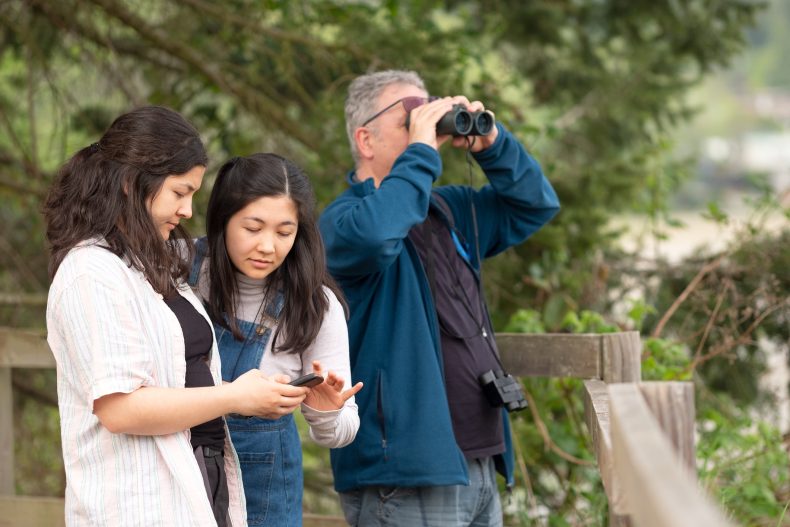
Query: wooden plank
x=6, y=433
x=621, y=357
x=658, y=490
x=672, y=404
x=31, y=511
x=314, y=520
x=550, y=355
x=48, y=512
x=24, y=349
x=523, y=355
x=596, y=413
x=19, y=299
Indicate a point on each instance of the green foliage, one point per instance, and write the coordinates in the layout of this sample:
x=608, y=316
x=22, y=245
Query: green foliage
x=587, y=322
x=594, y=88
x=742, y=460
x=767, y=64
x=664, y=360
x=743, y=298
x=525, y=321
x=638, y=311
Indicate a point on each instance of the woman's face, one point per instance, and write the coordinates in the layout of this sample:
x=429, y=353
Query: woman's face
x=259, y=237
x=173, y=202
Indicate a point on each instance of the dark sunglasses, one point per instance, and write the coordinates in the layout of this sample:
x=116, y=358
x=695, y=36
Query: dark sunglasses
x=409, y=103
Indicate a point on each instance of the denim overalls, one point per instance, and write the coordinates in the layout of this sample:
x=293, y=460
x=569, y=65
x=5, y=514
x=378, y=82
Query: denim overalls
x=269, y=450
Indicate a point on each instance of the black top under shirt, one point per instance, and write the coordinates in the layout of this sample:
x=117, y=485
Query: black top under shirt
x=197, y=348
x=466, y=352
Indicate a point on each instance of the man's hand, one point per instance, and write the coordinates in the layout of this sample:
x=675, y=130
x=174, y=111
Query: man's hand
x=422, y=127
x=478, y=142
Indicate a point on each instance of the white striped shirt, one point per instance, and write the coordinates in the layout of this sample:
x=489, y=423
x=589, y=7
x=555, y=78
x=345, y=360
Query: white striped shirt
x=111, y=332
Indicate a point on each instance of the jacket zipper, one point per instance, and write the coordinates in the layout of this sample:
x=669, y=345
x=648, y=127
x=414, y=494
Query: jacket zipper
x=380, y=414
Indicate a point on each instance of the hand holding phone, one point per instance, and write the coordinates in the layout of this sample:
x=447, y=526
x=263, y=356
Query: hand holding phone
x=308, y=381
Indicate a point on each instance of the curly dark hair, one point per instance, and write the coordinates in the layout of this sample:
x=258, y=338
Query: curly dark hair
x=104, y=191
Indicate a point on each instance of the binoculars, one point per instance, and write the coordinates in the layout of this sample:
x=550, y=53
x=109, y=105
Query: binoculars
x=502, y=389
x=461, y=122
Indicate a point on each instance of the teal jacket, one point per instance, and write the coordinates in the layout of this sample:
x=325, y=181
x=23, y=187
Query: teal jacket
x=405, y=437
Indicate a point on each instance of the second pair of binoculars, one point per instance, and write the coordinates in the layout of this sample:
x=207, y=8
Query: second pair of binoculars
x=461, y=122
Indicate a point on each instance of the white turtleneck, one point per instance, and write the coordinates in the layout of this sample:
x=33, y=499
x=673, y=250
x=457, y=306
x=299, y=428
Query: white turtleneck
x=332, y=429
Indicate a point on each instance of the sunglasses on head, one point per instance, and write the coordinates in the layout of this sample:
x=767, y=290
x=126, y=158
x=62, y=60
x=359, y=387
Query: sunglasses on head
x=409, y=103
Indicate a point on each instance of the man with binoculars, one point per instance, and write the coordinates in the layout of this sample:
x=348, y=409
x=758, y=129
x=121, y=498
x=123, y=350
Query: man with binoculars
x=434, y=427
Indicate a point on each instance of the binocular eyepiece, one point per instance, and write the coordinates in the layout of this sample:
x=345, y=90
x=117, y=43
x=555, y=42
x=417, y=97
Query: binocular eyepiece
x=461, y=122
x=502, y=389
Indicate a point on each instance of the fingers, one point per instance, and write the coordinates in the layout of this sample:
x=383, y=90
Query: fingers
x=424, y=119
x=474, y=106
x=351, y=392
x=279, y=378
x=317, y=367
x=334, y=381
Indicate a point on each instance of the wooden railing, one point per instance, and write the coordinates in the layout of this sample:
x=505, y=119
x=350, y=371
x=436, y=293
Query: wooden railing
x=642, y=433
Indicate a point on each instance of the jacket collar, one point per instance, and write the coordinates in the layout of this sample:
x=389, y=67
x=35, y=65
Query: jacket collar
x=360, y=188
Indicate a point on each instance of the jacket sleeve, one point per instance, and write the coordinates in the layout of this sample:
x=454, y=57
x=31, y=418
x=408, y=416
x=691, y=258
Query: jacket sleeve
x=365, y=234
x=517, y=201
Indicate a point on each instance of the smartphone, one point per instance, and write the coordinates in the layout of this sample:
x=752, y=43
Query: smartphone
x=308, y=381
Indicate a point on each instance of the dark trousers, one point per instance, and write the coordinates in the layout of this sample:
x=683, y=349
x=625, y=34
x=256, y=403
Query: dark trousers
x=212, y=466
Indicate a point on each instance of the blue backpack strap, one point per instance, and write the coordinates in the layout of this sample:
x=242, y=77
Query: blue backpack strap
x=460, y=246
x=201, y=250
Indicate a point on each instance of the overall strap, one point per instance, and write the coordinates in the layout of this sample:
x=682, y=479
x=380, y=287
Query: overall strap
x=237, y=357
x=201, y=250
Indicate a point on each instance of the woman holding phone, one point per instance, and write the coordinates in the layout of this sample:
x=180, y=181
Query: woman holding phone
x=139, y=390
x=262, y=275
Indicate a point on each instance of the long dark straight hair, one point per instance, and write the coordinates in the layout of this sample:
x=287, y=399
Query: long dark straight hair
x=105, y=189
x=302, y=274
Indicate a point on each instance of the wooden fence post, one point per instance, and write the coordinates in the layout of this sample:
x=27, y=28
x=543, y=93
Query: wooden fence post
x=6, y=433
x=18, y=349
x=621, y=361
x=672, y=404
x=621, y=357
x=659, y=489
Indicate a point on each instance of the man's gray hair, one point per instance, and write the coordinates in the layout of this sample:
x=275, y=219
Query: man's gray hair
x=363, y=94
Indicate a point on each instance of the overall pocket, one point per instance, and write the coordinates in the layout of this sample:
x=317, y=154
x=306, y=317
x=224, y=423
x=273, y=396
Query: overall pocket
x=257, y=451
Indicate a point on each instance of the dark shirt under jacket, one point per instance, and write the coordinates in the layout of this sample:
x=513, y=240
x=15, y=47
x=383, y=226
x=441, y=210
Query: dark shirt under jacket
x=197, y=347
x=466, y=340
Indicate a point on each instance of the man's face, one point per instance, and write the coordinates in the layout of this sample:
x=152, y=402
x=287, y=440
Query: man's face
x=389, y=136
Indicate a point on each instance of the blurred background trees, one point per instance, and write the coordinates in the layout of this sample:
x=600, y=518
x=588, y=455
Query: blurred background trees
x=602, y=92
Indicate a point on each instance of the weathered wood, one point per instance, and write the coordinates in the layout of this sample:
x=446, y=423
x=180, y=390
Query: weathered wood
x=658, y=490
x=596, y=413
x=16, y=299
x=314, y=520
x=24, y=349
x=621, y=357
x=16, y=511
x=672, y=404
x=6, y=434
x=550, y=355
